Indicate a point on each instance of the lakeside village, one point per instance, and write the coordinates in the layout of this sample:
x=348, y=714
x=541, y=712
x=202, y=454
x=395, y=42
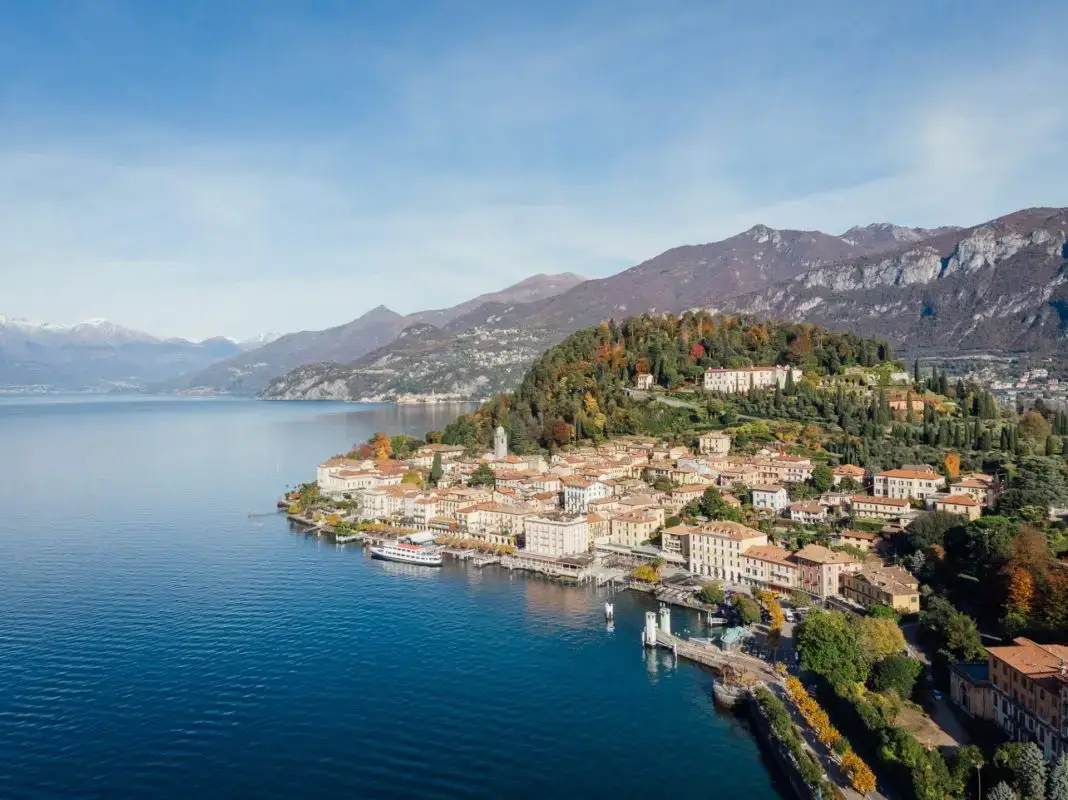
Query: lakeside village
x=873, y=566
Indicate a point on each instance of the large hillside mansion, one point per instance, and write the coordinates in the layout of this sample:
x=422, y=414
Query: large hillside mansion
x=742, y=379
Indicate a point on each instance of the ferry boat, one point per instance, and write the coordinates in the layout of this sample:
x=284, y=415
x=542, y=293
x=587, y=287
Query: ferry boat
x=408, y=554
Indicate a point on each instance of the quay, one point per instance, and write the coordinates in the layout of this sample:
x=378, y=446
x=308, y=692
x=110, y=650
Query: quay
x=656, y=635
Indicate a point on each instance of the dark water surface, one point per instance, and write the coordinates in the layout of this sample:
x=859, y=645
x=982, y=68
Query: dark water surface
x=156, y=642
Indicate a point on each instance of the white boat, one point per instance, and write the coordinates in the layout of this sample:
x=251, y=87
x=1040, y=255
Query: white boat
x=408, y=554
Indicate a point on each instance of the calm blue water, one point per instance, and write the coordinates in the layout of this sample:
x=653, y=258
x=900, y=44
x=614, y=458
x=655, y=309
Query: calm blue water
x=156, y=642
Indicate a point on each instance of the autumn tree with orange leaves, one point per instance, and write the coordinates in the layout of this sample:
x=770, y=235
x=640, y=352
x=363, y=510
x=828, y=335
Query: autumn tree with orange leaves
x=952, y=465
x=381, y=446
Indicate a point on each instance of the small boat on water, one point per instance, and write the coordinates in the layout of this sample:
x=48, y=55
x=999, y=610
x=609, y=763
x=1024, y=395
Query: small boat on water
x=408, y=554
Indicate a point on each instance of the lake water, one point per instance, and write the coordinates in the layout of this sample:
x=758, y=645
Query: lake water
x=157, y=642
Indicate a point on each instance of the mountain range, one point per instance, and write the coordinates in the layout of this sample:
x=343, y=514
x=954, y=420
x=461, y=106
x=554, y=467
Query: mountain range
x=1000, y=286
x=97, y=354
x=487, y=350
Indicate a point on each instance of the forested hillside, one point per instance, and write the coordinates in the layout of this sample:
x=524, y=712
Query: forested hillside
x=577, y=390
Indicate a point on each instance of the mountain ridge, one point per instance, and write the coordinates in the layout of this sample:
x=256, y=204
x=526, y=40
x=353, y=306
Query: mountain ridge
x=249, y=372
x=700, y=277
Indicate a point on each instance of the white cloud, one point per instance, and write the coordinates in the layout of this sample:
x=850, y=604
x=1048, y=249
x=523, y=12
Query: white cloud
x=542, y=153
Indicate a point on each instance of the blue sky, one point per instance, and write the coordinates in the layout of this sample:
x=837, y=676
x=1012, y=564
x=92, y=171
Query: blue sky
x=232, y=167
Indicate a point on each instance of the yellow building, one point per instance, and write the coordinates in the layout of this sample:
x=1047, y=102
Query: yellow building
x=716, y=549
x=963, y=504
x=888, y=586
x=879, y=507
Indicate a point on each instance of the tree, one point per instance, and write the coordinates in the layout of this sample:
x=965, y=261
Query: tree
x=1021, y=592
x=898, y=672
x=955, y=634
x=713, y=506
x=952, y=465
x=1031, y=773
x=413, y=476
x=1001, y=791
x=878, y=638
x=436, y=470
x=1033, y=426
x=800, y=599
x=1057, y=784
x=822, y=479
x=882, y=611
x=381, y=446
x=712, y=593
x=482, y=475
x=829, y=646
x=748, y=610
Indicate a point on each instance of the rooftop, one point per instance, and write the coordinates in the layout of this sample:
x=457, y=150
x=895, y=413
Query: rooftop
x=1032, y=658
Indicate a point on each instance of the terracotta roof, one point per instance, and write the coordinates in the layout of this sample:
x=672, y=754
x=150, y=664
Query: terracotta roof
x=822, y=555
x=770, y=552
x=768, y=488
x=958, y=500
x=849, y=469
x=1032, y=658
x=913, y=474
x=730, y=530
x=881, y=501
x=894, y=580
x=867, y=536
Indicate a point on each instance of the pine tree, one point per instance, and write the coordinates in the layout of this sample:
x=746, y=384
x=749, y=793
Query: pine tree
x=1057, y=785
x=910, y=417
x=436, y=470
x=1001, y=791
x=916, y=372
x=1031, y=773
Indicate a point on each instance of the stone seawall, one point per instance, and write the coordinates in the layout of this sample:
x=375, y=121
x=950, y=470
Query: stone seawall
x=779, y=754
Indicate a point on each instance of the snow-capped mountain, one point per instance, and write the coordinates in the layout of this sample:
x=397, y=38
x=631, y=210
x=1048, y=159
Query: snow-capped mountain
x=256, y=341
x=96, y=354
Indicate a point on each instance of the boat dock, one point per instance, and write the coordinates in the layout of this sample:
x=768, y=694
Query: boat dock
x=702, y=652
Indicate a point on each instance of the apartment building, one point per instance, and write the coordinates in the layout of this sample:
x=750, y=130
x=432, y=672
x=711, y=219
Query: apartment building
x=772, y=498
x=909, y=484
x=557, y=535
x=770, y=567
x=879, y=507
x=716, y=549
x=578, y=492
x=633, y=528
x=821, y=569
x=963, y=504
x=714, y=443
x=888, y=586
x=1031, y=693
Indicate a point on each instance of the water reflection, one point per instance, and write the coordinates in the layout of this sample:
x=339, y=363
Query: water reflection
x=556, y=605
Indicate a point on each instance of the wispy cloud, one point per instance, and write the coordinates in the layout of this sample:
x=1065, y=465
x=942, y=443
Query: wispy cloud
x=318, y=167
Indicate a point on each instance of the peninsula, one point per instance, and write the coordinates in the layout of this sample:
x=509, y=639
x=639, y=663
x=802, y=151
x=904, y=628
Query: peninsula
x=838, y=508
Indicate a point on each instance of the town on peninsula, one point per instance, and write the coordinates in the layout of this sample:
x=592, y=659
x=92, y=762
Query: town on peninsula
x=879, y=545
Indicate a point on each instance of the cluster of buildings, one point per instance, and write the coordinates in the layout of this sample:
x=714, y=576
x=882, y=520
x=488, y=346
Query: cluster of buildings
x=616, y=497
x=736, y=553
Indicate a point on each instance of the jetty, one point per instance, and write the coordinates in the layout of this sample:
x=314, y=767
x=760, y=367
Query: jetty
x=703, y=652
